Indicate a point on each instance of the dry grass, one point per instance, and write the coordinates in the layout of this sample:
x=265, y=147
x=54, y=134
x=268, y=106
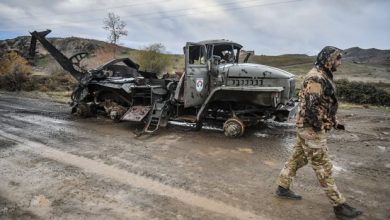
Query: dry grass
x=101, y=56
x=282, y=61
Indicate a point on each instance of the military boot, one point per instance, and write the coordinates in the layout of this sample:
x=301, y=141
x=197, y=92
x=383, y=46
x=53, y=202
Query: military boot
x=287, y=193
x=344, y=210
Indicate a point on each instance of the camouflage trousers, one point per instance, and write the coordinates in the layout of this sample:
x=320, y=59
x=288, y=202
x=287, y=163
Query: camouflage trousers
x=311, y=147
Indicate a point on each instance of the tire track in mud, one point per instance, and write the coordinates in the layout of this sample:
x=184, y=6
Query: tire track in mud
x=134, y=180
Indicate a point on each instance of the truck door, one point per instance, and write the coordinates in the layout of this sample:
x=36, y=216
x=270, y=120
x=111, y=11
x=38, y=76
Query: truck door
x=196, y=85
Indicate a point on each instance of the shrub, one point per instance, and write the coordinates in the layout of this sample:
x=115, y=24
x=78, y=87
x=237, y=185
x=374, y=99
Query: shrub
x=15, y=75
x=14, y=72
x=362, y=93
x=56, y=82
x=152, y=59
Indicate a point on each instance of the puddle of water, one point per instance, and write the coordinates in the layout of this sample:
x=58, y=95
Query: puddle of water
x=38, y=119
x=258, y=134
x=337, y=168
x=269, y=125
x=282, y=124
x=382, y=148
x=191, y=125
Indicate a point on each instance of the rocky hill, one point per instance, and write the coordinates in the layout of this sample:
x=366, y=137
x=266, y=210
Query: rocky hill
x=68, y=46
x=368, y=56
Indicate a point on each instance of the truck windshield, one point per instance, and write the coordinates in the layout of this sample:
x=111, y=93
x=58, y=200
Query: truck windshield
x=227, y=53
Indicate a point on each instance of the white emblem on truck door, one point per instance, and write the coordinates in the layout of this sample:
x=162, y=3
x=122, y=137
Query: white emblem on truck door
x=199, y=84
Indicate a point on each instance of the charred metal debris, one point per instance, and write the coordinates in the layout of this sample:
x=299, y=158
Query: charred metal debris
x=214, y=86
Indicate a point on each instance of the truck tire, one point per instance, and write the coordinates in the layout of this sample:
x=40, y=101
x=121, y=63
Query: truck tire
x=82, y=110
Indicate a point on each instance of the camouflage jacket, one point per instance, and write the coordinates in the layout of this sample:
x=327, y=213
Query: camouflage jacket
x=317, y=101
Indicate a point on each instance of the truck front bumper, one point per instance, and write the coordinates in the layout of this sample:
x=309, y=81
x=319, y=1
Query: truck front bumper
x=289, y=110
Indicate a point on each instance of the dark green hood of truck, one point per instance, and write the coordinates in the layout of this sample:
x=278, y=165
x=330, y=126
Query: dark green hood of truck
x=245, y=70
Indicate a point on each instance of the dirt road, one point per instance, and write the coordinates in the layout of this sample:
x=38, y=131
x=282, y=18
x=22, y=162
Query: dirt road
x=53, y=165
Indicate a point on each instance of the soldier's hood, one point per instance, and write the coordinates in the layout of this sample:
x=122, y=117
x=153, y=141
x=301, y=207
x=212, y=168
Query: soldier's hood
x=327, y=56
x=253, y=70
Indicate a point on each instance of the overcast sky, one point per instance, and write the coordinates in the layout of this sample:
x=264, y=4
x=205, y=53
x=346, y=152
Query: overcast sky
x=269, y=27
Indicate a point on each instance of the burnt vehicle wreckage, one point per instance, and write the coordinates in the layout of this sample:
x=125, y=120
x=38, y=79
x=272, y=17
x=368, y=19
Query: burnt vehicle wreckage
x=214, y=86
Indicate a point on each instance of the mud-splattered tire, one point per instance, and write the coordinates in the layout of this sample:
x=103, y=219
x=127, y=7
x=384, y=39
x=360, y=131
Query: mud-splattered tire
x=233, y=127
x=82, y=110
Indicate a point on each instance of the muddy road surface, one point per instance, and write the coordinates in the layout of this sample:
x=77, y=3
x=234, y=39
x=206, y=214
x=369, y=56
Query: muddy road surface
x=56, y=166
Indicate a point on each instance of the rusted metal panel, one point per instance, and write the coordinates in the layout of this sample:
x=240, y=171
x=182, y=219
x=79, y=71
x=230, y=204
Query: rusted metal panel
x=136, y=113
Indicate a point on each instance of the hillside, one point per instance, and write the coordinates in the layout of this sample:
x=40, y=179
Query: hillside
x=367, y=56
x=72, y=45
x=367, y=65
x=371, y=65
x=68, y=46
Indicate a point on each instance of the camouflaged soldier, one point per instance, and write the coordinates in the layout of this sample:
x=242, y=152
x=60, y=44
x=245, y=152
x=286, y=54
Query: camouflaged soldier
x=317, y=115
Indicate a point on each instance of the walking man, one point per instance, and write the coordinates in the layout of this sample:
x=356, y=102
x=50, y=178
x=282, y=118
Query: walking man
x=317, y=115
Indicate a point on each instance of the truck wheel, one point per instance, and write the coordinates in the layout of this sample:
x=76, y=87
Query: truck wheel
x=82, y=110
x=233, y=127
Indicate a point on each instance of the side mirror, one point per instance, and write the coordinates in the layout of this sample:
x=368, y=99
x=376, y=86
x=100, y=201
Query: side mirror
x=213, y=64
x=247, y=57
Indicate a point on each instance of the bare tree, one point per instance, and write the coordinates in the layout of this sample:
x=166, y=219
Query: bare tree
x=116, y=27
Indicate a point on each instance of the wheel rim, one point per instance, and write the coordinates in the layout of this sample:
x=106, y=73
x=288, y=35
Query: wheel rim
x=234, y=127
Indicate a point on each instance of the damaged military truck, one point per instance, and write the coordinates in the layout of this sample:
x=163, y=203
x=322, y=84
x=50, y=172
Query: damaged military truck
x=214, y=86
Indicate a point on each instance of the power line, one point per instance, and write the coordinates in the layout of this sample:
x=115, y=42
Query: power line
x=198, y=11
x=131, y=5
x=225, y=9
x=94, y=10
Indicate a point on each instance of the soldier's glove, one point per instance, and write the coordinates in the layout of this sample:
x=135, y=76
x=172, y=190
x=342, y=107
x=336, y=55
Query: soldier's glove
x=339, y=127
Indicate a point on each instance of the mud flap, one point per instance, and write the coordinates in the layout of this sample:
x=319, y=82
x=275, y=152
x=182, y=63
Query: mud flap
x=136, y=113
x=286, y=113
